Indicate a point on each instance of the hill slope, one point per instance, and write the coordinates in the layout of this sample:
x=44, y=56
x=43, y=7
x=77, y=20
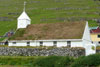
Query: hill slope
x=45, y=11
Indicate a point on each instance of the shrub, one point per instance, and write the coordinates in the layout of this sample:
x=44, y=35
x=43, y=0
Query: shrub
x=19, y=33
x=8, y=60
x=93, y=48
x=53, y=61
x=88, y=61
x=64, y=62
x=46, y=61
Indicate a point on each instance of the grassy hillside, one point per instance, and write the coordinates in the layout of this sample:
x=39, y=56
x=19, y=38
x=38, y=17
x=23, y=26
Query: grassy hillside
x=50, y=61
x=47, y=11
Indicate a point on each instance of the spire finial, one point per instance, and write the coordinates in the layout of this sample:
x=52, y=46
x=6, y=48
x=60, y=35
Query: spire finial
x=24, y=5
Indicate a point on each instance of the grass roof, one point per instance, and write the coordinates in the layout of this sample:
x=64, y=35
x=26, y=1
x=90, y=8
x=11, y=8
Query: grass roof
x=63, y=30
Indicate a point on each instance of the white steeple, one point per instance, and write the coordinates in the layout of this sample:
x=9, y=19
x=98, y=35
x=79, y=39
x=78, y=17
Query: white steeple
x=24, y=16
x=23, y=19
x=24, y=5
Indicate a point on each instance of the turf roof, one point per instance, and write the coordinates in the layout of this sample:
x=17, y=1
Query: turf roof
x=45, y=31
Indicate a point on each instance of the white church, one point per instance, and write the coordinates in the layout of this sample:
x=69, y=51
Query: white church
x=74, y=34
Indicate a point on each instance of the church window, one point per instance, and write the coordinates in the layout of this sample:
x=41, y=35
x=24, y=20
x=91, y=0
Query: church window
x=55, y=43
x=28, y=43
x=41, y=43
x=99, y=42
x=14, y=42
x=69, y=43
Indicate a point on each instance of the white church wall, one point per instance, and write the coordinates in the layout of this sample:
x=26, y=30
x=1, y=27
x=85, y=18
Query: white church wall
x=17, y=44
x=23, y=20
x=62, y=44
x=90, y=49
x=47, y=43
x=28, y=22
x=10, y=44
x=77, y=44
x=32, y=44
x=86, y=36
x=22, y=24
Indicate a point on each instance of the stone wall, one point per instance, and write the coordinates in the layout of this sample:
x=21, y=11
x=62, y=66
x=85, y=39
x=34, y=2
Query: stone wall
x=12, y=51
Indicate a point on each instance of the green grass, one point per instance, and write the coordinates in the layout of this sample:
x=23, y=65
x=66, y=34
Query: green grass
x=12, y=66
x=39, y=47
x=92, y=23
x=40, y=61
x=50, y=61
x=19, y=33
x=87, y=61
x=1, y=39
x=47, y=11
x=22, y=61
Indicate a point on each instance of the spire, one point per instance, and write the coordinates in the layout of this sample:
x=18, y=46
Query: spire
x=24, y=14
x=24, y=6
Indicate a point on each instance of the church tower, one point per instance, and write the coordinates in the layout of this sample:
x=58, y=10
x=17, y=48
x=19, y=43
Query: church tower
x=23, y=20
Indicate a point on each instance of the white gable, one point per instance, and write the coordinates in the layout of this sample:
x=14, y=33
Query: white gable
x=24, y=16
x=86, y=36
